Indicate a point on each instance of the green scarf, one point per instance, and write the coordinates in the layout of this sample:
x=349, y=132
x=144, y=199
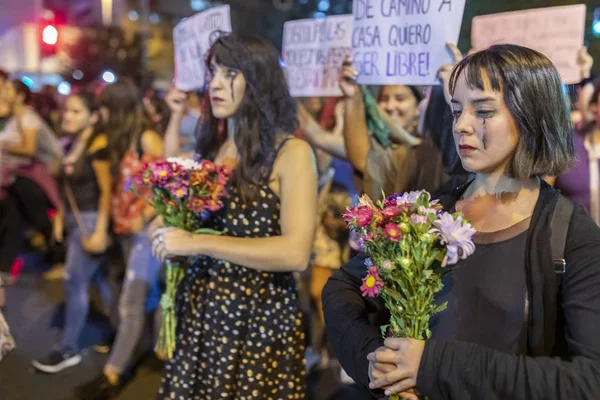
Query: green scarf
x=375, y=123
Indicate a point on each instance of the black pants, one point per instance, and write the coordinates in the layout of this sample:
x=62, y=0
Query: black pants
x=26, y=204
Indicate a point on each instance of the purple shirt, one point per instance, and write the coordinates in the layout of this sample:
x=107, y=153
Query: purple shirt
x=575, y=183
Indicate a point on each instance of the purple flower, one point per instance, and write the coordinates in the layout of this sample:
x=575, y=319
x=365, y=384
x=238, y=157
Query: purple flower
x=128, y=185
x=418, y=219
x=368, y=262
x=456, y=236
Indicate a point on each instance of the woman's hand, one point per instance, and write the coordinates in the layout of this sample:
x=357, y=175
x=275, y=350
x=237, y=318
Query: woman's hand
x=406, y=355
x=348, y=79
x=174, y=242
x=156, y=223
x=585, y=62
x=96, y=243
x=176, y=100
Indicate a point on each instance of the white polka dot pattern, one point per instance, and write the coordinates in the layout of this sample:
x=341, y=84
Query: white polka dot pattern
x=239, y=331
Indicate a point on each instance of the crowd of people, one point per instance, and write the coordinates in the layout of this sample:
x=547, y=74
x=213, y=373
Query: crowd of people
x=490, y=141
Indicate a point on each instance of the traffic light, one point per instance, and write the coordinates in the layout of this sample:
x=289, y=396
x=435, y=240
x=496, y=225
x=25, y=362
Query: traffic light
x=48, y=35
x=596, y=23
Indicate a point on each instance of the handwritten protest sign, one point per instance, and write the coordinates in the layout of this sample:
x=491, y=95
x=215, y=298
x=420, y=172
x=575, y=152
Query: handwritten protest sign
x=556, y=32
x=192, y=39
x=313, y=52
x=403, y=41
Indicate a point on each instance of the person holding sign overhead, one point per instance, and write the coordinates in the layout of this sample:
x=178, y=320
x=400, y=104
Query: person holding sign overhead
x=379, y=135
x=523, y=316
x=239, y=328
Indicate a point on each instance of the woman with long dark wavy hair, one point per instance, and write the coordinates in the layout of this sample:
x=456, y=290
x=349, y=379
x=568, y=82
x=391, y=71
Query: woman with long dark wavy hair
x=239, y=332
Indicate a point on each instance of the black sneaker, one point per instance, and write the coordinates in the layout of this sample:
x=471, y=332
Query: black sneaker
x=56, y=362
x=98, y=389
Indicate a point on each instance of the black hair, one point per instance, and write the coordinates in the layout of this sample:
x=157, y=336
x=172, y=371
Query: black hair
x=266, y=112
x=537, y=101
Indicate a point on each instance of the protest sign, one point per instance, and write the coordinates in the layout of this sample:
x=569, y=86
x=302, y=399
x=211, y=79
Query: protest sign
x=403, y=41
x=556, y=32
x=313, y=52
x=192, y=39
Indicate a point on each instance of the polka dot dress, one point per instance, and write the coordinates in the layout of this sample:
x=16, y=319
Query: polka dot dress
x=239, y=333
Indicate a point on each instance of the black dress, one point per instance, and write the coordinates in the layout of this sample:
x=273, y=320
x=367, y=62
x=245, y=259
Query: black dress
x=239, y=331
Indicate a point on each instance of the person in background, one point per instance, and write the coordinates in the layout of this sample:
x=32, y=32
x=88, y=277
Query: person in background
x=157, y=111
x=130, y=144
x=86, y=186
x=513, y=328
x=180, y=136
x=30, y=156
x=581, y=184
x=239, y=322
x=4, y=108
x=380, y=135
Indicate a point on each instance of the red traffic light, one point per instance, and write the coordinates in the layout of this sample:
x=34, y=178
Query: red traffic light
x=50, y=35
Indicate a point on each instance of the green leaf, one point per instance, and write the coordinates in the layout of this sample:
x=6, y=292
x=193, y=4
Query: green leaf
x=384, y=329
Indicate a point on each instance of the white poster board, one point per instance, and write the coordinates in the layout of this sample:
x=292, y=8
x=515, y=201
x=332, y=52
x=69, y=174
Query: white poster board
x=403, y=41
x=313, y=52
x=192, y=38
x=557, y=32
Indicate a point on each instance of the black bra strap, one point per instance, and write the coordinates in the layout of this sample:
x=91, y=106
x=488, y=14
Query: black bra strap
x=277, y=150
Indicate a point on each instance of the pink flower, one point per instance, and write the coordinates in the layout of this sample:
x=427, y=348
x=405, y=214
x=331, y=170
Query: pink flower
x=387, y=264
x=178, y=191
x=371, y=283
x=393, y=232
x=390, y=201
x=418, y=219
x=225, y=170
x=349, y=215
x=364, y=216
x=390, y=212
x=208, y=166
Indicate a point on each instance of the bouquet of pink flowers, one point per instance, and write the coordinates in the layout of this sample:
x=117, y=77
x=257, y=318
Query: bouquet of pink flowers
x=409, y=241
x=184, y=193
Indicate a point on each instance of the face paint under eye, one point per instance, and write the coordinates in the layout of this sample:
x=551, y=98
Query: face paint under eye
x=231, y=87
x=484, y=137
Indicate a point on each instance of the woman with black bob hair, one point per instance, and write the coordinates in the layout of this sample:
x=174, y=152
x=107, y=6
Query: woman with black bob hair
x=521, y=323
x=239, y=331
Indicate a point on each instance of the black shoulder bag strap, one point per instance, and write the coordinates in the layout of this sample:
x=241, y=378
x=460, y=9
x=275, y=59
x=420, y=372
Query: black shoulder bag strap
x=561, y=218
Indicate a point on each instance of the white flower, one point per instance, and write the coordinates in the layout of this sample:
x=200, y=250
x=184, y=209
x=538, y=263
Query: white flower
x=410, y=197
x=187, y=163
x=426, y=210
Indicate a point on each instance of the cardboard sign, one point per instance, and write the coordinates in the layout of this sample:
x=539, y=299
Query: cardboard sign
x=313, y=52
x=403, y=41
x=192, y=38
x=557, y=32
